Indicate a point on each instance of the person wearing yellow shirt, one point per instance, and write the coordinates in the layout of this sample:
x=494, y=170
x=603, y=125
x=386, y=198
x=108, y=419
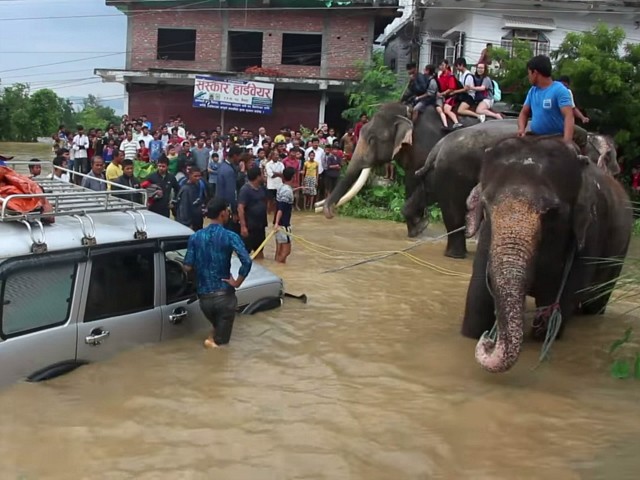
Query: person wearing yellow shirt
x=310, y=181
x=114, y=170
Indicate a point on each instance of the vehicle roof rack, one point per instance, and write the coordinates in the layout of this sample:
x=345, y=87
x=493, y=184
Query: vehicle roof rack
x=69, y=199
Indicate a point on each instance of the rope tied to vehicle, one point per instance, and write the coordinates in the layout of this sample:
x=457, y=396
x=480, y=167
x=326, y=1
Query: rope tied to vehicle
x=551, y=315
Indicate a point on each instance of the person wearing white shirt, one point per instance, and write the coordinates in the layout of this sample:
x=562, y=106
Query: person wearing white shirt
x=129, y=147
x=274, y=169
x=331, y=137
x=145, y=137
x=58, y=173
x=319, y=151
x=80, y=145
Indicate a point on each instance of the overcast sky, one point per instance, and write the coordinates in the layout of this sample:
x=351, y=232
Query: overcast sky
x=72, y=43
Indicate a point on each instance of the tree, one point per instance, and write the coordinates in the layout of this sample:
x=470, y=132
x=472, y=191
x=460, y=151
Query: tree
x=378, y=84
x=95, y=115
x=15, y=104
x=605, y=79
x=512, y=74
x=45, y=112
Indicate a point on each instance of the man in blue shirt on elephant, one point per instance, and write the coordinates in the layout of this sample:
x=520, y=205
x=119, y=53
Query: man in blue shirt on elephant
x=550, y=106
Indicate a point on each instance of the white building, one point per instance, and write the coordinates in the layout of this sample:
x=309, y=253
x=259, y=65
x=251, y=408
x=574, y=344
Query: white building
x=462, y=28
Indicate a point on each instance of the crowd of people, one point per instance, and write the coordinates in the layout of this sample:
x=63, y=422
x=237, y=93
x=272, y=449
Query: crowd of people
x=246, y=169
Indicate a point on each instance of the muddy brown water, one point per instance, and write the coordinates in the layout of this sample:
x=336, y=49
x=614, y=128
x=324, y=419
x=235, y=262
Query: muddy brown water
x=369, y=380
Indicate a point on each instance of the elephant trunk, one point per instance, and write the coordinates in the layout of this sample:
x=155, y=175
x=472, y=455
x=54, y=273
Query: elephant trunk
x=515, y=230
x=356, y=177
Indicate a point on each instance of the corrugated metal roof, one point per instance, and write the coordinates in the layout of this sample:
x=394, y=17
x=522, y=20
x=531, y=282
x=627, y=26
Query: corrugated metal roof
x=533, y=23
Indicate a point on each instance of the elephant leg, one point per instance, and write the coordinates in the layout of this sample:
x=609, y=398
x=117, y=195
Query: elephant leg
x=414, y=211
x=453, y=215
x=479, y=312
x=598, y=295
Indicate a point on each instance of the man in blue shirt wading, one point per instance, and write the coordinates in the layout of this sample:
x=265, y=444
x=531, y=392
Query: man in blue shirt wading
x=550, y=106
x=209, y=253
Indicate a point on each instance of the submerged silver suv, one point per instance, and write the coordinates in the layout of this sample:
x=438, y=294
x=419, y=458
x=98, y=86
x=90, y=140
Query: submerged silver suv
x=106, y=276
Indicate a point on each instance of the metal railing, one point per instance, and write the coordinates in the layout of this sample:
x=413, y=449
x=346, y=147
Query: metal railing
x=69, y=199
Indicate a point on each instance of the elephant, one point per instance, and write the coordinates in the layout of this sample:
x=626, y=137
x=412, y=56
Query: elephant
x=452, y=169
x=389, y=134
x=555, y=227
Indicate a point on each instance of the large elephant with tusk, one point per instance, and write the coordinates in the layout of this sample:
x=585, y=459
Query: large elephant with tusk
x=390, y=134
x=555, y=227
x=452, y=169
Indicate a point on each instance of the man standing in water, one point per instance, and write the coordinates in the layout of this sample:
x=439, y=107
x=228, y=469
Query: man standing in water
x=209, y=253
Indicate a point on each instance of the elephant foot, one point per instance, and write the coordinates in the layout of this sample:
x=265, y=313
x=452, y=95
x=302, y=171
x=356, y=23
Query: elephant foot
x=455, y=254
x=416, y=228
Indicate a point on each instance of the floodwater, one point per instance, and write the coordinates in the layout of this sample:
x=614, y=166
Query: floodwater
x=369, y=380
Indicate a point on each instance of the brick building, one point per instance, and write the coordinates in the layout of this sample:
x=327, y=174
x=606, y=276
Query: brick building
x=309, y=50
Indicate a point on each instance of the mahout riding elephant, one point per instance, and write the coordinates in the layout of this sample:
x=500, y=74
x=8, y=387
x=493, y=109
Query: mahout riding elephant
x=544, y=206
x=452, y=169
x=390, y=133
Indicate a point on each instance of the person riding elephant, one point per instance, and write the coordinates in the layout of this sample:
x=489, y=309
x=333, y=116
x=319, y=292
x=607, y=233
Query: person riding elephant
x=547, y=213
x=389, y=134
x=454, y=163
x=422, y=91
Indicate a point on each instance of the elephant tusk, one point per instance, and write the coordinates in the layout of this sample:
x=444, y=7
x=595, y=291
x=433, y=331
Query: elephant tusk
x=319, y=204
x=354, y=190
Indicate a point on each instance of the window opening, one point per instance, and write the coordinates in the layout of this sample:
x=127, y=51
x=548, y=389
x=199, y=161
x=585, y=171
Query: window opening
x=176, y=44
x=301, y=49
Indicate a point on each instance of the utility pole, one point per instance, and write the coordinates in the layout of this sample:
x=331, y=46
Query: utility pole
x=416, y=37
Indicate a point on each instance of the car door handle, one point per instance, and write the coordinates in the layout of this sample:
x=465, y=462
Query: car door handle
x=96, y=336
x=178, y=315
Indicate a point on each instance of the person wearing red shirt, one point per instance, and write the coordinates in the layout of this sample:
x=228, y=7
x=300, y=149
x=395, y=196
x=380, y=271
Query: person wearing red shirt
x=356, y=134
x=445, y=102
x=292, y=160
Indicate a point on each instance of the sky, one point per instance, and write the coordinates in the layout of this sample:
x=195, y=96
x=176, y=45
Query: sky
x=27, y=45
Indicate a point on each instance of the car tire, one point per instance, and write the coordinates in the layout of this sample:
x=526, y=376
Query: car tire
x=262, y=305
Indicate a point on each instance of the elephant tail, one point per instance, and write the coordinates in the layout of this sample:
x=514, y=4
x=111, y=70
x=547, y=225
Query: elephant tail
x=430, y=162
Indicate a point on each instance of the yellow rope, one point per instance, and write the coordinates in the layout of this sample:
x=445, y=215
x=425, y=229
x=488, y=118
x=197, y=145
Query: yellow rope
x=318, y=248
x=259, y=249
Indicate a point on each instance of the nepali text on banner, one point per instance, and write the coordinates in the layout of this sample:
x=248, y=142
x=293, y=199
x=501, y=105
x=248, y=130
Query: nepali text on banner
x=234, y=95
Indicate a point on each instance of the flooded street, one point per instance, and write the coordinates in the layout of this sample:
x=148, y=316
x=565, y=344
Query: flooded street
x=369, y=380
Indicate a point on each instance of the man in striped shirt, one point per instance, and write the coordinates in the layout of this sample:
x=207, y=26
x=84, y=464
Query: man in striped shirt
x=129, y=147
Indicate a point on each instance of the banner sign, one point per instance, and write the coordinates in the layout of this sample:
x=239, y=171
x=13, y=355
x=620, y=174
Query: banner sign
x=233, y=95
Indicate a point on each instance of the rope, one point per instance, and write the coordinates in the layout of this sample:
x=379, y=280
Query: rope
x=555, y=319
x=261, y=247
x=398, y=252
x=318, y=248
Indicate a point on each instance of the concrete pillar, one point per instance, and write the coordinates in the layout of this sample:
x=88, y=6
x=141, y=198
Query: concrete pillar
x=324, y=55
x=224, y=44
x=323, y=107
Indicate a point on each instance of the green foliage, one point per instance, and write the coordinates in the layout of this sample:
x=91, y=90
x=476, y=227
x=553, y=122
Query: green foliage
x=512, y=75
x=377, y=203
x=626, y=366
x=24, y=116
x=605, y=82
x=382, y=203
x=378, y=84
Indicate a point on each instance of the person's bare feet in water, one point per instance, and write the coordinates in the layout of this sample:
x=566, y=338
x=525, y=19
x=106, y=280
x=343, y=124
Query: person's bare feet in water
x=209, y=343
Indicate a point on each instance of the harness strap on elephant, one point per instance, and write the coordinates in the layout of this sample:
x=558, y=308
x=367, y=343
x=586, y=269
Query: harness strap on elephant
x=551, y=315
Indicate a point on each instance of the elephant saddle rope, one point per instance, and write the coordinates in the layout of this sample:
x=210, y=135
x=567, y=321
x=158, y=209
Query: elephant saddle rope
x=13, y=183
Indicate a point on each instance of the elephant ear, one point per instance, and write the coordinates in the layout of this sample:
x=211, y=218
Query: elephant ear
x=404, y=134
x=584, y=212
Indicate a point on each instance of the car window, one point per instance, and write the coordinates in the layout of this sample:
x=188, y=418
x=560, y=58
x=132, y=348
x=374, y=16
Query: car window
x=36, y=297
x=179, y=285
x=121, y=282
